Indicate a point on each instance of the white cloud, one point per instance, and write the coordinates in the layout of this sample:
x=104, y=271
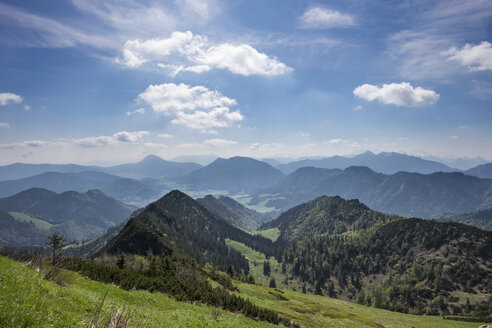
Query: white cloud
x=209, y=109
x=453, y=137
x=322, y=18
x=27, y=107
x=399, y=94
x=4, y=125
x=183, y=51
x=462, y=127
x=170, y=98
x=216, y=118
x=134, y=136
x=165, y=136
x=336, y=141
x=219, y=142
x=242, y=59
x=9, y=98
x=358, y=107
x=119, y=137
x=474, y=57
x=137, y=111
x=403, y=138
x=301, y=134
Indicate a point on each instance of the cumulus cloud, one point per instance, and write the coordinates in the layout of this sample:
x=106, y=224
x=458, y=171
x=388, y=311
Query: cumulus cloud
x=137, y=111
x=195, y=107
x=216, y=118
x=323, y=18
x=9, y=98
x=184, y=51
x=399, y=94
x=119, y=137
x=219, y=142
x=474, y=57
x=4, y=125
x=170, y=98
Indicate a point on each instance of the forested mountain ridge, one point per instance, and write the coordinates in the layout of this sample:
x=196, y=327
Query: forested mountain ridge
x=402, y=193
x=325, y=215
x=176, y=223
x=31, y=215
x=483, y=171
x=234, y=212
x=408, y=265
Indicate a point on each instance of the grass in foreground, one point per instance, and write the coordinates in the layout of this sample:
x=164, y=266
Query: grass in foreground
x=319, y=311
x=27, y=300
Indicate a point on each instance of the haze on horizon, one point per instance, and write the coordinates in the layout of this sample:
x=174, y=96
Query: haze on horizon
x=93, y=82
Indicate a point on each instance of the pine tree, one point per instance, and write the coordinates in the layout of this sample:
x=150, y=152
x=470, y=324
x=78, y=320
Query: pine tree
x=56, y=242
x=272, y=283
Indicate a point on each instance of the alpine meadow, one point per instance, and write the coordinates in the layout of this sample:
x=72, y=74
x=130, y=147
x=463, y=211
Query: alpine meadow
x=245, y=163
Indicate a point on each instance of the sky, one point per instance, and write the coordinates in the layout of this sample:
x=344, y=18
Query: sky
x=105, y=82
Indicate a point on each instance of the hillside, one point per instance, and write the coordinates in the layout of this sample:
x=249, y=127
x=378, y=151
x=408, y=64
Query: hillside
x=387, y=163
x=235, y=174
x=177, y=224
x=29, y=216
x=402, y=193
x=78, y=304
x=152, y=167
x=123, y=189
x=404, y=265
x=480, y=219
x=234, y=212
x=483, y=171
x=324, y=215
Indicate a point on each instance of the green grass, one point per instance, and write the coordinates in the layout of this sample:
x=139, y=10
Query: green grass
x=23, y=217
x=320, y=311
x=27, y=300
x=271, y=234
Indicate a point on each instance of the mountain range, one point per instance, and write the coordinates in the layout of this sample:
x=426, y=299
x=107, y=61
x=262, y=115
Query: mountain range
x=36, y=212
x=125, y=190
x=150, y=167
x=235, y=174
x=387, y=163
x=178, y=224
x=402, y=193
x=330, y=246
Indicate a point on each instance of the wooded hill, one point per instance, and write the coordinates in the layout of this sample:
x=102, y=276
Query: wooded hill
x=178, y=224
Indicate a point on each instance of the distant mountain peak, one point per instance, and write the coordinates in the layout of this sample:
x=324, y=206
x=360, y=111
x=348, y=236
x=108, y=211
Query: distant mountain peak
x=152, y=159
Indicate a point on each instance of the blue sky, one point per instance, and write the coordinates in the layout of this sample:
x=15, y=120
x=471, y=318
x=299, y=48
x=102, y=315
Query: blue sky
x=84, y=81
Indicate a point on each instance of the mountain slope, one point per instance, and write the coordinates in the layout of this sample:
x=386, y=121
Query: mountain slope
x=480, y=219
x=176, y=223
x=126, y=190
x=483, y=171
x=153, y=167
x=409, y=265
x=387, y=163
x=324, y=215
x=402, y=193
x=234, y=212
x=30, y=216
x=234, y=174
